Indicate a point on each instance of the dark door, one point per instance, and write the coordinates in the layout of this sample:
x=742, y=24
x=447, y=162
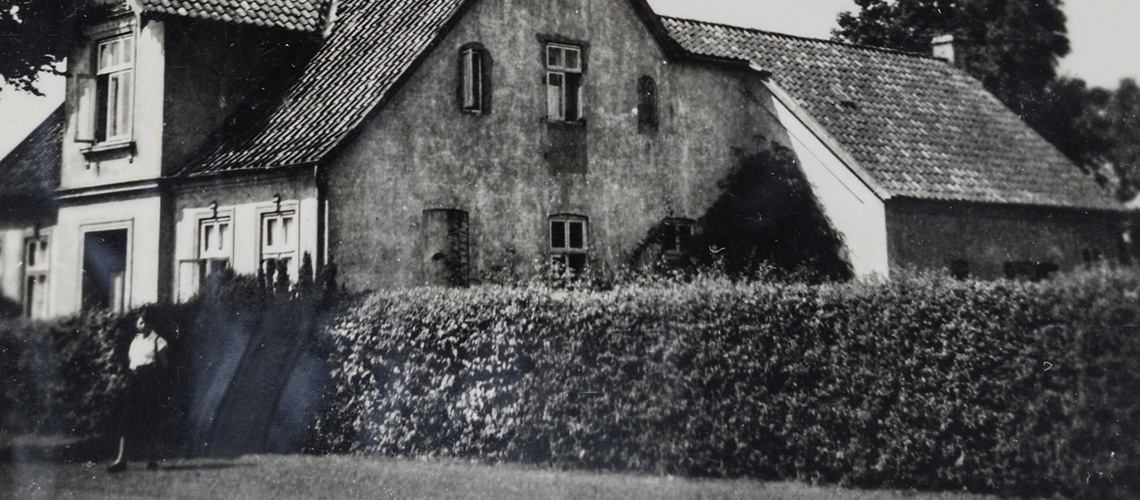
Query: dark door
x=104, y=270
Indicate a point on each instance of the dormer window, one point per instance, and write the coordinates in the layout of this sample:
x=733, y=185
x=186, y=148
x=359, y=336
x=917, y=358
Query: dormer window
x=114, y=79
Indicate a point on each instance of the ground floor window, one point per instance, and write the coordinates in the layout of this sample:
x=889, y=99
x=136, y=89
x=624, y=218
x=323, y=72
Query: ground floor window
x=569, y=245
x=215, y=247
x=676, y=237
x=36, y=277
x=278, y=247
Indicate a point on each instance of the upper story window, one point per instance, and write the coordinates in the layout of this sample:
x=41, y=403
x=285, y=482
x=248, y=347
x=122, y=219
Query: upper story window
x=563, y=82
x=474, y=79
x=646, y=105
x=114, y=85
x=568, y=244
x=105, y=94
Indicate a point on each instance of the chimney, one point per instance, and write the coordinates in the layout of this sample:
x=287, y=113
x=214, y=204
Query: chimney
x=943, y=47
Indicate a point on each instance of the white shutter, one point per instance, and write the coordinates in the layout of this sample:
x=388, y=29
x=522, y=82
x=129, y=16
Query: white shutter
x=85, y=103
x=468, y=79
x=554, y=96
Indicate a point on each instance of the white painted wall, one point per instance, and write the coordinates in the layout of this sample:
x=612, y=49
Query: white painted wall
x=140, y=217
x=121, y=165
x=246, y=229
x=853, y=208
x=11, y=262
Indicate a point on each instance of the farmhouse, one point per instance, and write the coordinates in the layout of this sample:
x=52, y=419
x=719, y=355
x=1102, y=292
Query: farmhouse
x=440, y=141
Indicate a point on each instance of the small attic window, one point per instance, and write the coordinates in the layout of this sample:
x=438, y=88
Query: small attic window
x=843, y=98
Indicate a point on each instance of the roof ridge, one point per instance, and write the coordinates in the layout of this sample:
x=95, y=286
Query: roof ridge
x=860, y=46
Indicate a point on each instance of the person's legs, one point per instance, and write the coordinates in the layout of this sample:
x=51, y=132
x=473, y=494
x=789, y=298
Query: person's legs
x=123, y=423
x=149, y=414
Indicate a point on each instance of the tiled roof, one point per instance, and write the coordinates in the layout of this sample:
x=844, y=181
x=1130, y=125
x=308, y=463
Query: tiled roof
x=372, y=45
x=920, y=127
x=30, y=172
x=297, y=15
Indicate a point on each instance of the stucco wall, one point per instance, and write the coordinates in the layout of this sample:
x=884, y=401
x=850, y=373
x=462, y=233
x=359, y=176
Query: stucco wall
x=122, y=164
x=140, y=215
x=853, y=209
x=244, y=200
x=17, y=223
x=930, y=235
x=420, y=152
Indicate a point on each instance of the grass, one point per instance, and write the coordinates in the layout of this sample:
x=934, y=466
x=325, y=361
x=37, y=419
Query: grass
x=283, y=477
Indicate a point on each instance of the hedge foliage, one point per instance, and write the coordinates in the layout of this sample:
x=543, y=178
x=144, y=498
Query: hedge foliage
x=69, y=375
x=60, y=376
x=920, y=382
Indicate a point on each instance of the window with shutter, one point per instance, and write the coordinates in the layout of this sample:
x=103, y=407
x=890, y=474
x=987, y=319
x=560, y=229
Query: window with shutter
x=105, y=105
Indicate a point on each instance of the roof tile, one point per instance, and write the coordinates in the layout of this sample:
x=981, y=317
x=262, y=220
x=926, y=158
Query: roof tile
x=914, y=119
x=297, y=15
x=374, y=43
x=30, y=172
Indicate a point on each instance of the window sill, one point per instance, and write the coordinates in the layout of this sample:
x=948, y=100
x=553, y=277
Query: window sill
x=108, y=147
x=566, y=124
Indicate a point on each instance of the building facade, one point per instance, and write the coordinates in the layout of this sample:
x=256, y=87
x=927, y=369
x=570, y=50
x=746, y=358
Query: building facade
x=442, y=142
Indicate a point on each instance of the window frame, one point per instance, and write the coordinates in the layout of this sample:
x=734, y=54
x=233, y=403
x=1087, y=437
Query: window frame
x=216, y=260
x=679, y=243
x=289, y=249
x=560, y=256
x=39, y=270
x=570, y=82
x=113, y=119
x=648, y=116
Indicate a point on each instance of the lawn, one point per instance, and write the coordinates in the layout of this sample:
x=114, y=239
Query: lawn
x=282, y=477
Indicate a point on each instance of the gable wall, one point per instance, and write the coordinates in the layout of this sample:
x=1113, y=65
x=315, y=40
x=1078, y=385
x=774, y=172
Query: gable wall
x=853, y=209
x=930, y=234
x=420, y=152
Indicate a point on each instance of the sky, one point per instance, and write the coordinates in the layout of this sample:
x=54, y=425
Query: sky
x=1103, y=35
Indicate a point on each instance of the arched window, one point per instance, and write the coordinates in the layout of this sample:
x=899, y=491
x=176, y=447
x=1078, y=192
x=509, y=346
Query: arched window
x=646, y=105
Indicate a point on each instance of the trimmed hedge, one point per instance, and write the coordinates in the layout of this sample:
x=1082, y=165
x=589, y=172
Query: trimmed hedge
x=60, y=376
x=68, y=376
x=920, y=382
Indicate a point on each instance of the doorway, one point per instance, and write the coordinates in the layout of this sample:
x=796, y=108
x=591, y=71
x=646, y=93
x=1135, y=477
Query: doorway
x=105, y=270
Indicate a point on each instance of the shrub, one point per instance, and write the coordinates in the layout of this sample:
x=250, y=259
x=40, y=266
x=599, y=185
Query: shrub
x=59, y=376
x=920, y=382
